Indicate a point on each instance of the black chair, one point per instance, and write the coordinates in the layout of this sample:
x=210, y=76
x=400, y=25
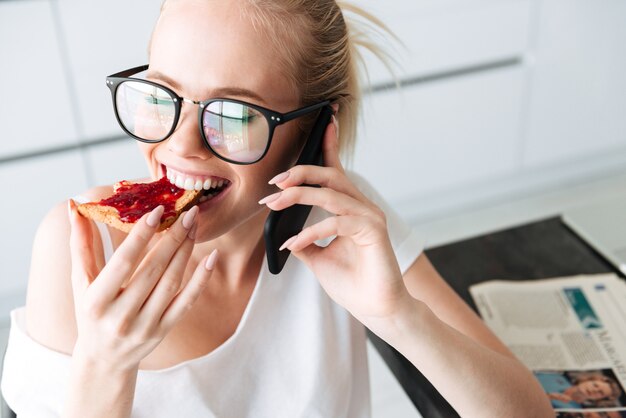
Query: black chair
x=5, y=410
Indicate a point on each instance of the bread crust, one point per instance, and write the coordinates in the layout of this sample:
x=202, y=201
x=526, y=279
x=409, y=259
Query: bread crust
x=110, y=215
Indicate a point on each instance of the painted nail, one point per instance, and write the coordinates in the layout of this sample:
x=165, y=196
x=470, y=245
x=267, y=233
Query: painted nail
x=269, y=198
x=70, y=211
x=190, y=217
x=154, y=218
x=210, y=262
x=192, y=231
x=279, y=178
x=288, y=243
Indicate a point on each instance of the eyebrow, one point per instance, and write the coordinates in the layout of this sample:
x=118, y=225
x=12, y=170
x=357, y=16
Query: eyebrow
x=222, y=91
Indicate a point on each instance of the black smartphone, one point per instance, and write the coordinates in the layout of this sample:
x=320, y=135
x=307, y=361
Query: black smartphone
x=284, y=224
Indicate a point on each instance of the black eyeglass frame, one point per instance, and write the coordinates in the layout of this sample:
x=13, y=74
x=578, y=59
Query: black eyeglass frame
x=273, y=117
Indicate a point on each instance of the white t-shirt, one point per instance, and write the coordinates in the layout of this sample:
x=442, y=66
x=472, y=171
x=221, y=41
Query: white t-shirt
x=295, y=353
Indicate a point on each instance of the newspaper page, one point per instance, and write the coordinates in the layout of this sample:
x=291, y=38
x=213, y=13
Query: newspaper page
x=571, y=332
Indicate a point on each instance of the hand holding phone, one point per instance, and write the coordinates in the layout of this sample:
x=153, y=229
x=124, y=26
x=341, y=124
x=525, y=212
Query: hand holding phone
x=283, y=224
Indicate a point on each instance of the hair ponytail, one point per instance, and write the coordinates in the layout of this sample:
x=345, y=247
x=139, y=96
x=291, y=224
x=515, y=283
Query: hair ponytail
x=324, y=60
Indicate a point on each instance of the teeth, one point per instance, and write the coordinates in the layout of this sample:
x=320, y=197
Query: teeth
x=194, y=183
x=206, y=197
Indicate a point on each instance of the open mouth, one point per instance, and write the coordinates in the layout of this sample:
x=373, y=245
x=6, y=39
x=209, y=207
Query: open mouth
x=211, y=187
x=213, y=192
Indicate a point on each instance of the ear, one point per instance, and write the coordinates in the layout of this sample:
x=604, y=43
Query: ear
x=335, y=121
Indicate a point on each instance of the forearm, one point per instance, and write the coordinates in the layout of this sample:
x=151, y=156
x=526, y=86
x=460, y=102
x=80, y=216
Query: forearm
x=96, y=391
x=475, y=380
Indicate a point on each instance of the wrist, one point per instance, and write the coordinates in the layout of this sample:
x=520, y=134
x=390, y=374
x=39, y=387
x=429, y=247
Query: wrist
x=407, y=318
x=99, y=388
x=98, y=365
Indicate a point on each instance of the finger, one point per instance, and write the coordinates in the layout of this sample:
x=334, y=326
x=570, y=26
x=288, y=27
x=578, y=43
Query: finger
x=328, y=199
x=84, y=268
x=168, y=285
x=360, y=228
x=156, y=262
x=330, y=146
x=329, y=177
x=185, y=300
x=126, y=258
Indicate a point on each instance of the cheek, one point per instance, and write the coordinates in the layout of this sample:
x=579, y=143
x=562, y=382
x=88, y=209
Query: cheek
x=146, y=149
x=147, y=152
x=282, y=155
x=286, y=147
x=605, y=390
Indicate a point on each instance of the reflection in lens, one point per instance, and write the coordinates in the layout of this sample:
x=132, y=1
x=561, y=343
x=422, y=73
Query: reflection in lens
x=145, y=110
x=235, y=131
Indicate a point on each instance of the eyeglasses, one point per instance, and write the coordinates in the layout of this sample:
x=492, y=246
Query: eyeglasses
x=235, y=131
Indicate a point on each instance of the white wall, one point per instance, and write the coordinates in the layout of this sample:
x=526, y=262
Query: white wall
x=500, y=98
x=577, y=104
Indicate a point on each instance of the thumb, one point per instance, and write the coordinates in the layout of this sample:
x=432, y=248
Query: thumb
x=308, y=255
x=84, y=269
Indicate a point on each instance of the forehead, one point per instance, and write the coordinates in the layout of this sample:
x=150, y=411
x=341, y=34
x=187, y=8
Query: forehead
x=206, y=45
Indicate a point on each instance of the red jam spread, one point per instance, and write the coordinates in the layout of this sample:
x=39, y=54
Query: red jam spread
x=133, y=200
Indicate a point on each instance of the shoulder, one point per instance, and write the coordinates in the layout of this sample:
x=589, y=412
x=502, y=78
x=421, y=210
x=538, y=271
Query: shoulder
x=49, y=299
x=406, y=242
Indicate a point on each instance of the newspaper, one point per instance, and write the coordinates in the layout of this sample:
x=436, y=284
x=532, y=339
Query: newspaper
x=571, y=332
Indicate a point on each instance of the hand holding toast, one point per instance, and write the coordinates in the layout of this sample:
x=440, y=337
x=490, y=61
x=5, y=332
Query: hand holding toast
x=119, y=326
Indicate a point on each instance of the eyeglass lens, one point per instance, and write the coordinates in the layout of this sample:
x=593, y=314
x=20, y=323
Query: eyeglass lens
x=233, y=130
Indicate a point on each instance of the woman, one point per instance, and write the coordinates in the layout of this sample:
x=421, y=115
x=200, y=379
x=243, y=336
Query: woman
x=167, y=326
x=580, y=389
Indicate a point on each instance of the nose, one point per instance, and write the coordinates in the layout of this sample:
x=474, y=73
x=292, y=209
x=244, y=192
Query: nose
x=186, y=141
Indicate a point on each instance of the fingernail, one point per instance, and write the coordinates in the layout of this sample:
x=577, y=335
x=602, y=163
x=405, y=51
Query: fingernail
x=190, y=217
x=70, y=212
x=288, y=243
x=210, y=262
x=269, y=198
x=279, y=178
x=154, y=218
x=192, y=231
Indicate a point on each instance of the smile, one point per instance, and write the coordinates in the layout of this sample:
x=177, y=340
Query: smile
x=189, y=182
x=211, y=185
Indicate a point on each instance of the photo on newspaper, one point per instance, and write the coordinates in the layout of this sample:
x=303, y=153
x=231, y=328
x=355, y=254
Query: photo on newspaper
x=571, y=332
x=593, y=414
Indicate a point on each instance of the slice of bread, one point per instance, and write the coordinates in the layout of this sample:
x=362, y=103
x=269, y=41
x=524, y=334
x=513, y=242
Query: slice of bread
x=141, y=198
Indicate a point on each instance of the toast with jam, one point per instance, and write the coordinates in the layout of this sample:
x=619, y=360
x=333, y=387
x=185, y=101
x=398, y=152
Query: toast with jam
x=130, y=201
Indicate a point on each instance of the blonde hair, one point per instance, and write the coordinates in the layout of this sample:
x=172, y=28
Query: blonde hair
x=325, y=62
